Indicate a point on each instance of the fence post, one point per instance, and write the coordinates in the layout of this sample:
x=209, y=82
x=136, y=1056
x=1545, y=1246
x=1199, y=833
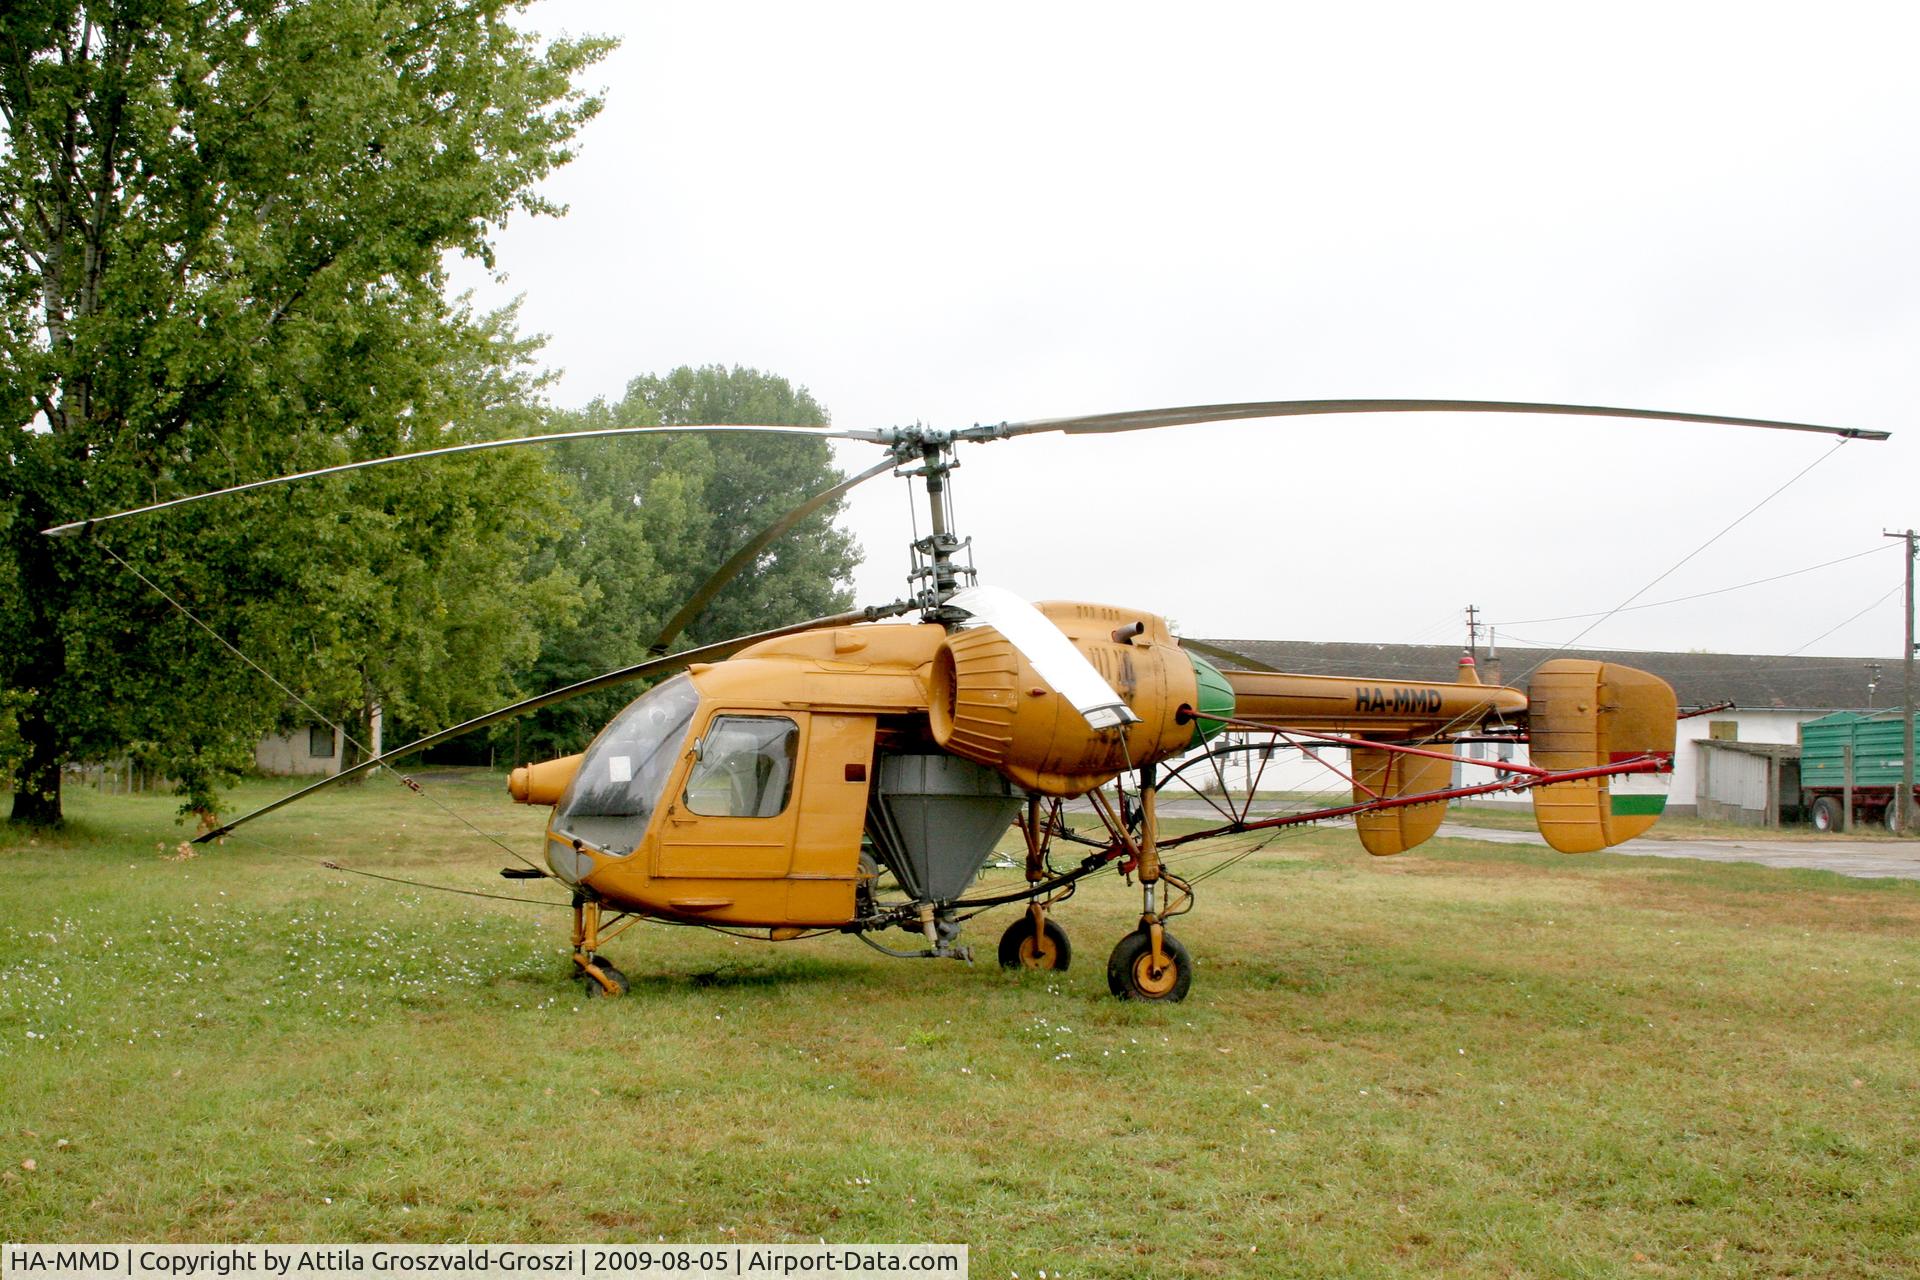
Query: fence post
x=1846, y=786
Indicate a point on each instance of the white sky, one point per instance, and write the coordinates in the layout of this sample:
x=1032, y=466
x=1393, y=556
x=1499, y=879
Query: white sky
x=981, y=212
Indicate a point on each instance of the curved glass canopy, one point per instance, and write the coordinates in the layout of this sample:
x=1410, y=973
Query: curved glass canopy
x=617, y=788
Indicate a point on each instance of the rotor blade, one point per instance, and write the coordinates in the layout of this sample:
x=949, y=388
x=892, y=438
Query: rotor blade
x=1236, y=661
x=1052, y=654
x=639, y=671
x=746, y=555
x=1143, y=419
x=81, y=526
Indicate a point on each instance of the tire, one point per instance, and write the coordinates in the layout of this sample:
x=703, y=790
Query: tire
x=1019, y=949
x=1826, y=814
x=1130, y=969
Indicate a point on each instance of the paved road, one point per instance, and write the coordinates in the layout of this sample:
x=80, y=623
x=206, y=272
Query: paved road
x=1898, y=859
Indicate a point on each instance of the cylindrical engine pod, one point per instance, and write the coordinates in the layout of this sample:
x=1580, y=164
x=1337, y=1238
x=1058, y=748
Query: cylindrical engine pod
x=543, y=783
x=989, y=705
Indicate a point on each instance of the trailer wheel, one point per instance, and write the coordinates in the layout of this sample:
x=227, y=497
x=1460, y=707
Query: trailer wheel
x=1826, y=814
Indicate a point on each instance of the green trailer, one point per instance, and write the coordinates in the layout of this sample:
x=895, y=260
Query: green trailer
x=1877, y=750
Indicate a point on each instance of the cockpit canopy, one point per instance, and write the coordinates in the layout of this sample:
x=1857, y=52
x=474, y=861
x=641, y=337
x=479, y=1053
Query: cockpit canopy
x=622, y=775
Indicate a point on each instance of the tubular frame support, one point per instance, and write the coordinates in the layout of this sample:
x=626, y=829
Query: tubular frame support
x=1662, y=760
x=1650, y=764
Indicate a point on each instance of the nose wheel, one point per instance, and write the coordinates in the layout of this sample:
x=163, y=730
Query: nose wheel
x=601, y=978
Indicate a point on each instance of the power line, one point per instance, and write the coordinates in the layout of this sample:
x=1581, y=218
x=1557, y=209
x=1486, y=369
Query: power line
x=1675, y=568
x=1698, y=595
x=1836, y=626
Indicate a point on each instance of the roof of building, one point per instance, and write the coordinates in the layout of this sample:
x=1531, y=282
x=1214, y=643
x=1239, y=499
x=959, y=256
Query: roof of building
x=1749, y=681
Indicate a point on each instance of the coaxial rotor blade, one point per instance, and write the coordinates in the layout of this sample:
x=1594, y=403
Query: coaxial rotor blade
x=746, y=555
x=639, y=671
x=1144, y=419
x=80, y=526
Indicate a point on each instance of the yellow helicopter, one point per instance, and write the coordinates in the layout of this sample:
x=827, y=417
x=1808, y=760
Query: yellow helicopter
x=852, y=774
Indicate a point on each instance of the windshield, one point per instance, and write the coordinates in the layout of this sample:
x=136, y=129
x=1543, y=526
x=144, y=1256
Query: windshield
x=623, y=773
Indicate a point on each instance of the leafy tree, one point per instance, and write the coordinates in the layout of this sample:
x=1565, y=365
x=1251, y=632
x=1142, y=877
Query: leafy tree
x=222, y=226
x=658, y=516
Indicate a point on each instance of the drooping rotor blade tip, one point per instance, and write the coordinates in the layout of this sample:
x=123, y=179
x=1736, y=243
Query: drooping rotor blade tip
x=475, y=446
x=1146, y=419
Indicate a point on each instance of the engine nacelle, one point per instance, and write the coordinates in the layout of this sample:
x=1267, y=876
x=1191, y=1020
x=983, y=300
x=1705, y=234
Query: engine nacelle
x=987, y=703
x=543, y=783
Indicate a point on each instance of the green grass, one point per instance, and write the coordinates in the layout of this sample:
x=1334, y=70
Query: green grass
x=1469, y=1060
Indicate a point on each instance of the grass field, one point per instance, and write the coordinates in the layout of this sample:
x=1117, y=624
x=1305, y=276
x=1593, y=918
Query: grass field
x=1470, y=1060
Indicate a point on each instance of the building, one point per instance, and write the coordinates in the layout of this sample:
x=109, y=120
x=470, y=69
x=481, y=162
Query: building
x=1770, y=697
x=309, y=750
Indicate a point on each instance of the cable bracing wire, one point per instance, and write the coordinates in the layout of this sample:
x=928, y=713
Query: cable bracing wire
x=308, y=707
x=1676, y=566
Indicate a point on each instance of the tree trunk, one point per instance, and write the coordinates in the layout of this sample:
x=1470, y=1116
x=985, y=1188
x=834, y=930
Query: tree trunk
x=36, y=793
x=39, y=671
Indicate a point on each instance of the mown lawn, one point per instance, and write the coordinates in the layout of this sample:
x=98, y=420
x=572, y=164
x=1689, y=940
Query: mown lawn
x=1470, y=1060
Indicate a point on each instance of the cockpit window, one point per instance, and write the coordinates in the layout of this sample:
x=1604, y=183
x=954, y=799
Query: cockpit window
x=745, y=768
x=618, y=786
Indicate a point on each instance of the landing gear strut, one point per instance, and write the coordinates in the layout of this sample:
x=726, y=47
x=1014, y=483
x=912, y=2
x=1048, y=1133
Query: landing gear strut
x=601, y=978
x=1150, y=963
x=1034, y=941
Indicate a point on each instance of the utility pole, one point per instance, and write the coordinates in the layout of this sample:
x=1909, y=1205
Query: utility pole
x=1904, y=800
x=1473, y=632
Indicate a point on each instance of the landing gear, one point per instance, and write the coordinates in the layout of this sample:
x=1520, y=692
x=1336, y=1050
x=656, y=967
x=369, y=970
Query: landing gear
x=1134, y=974
x=1150, y=963
x=601, y=978
x=1034, y=941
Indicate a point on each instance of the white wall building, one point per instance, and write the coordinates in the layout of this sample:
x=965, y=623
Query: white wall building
x=313, y=750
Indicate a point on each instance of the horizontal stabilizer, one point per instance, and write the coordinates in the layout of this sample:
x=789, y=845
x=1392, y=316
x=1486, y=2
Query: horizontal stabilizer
x=1584, y=714
x=1388, y=775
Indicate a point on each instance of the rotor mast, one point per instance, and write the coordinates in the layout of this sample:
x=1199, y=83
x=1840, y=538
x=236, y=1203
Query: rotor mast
x=936, y=574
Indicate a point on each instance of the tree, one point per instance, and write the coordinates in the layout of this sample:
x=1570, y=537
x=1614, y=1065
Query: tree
x=222, y=227
x=657, y=516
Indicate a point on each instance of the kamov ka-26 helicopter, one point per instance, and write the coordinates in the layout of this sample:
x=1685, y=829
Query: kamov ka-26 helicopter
x=852, y=774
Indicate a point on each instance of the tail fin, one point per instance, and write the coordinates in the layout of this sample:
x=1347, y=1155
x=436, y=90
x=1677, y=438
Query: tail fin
x=1582, y=715
x=1386, y=773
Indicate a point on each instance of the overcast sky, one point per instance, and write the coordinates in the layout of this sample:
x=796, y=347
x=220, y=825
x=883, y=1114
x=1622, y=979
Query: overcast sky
x=971, y=213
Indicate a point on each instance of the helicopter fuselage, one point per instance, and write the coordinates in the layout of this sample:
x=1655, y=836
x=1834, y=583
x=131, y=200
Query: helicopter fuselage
x=739, y=793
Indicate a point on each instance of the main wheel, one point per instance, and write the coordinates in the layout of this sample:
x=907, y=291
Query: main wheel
x=1020, y=949
x=617, y=978
x=1826, y=814
x=1130, y=971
